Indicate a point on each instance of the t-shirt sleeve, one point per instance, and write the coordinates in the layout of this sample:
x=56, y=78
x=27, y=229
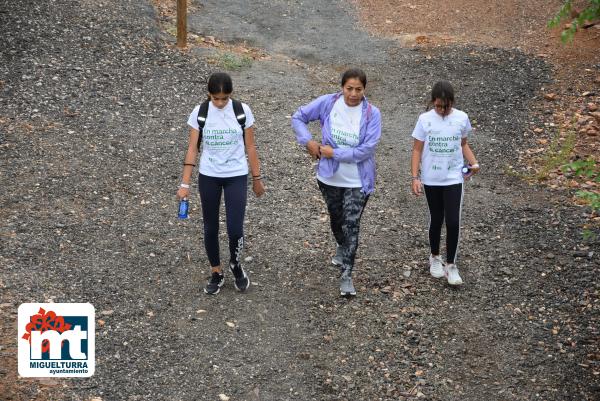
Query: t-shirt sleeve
x=249, y=115
x=466, y=130
x=419, y=133
x=193, y=119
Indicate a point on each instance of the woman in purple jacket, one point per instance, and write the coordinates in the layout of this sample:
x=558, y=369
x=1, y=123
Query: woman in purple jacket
x=350, y=128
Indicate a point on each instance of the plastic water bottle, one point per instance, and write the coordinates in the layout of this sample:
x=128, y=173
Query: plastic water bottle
x=184, y=205
x=466, y=169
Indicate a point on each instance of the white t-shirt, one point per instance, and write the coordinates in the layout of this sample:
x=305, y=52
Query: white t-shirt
x=442, y=159
x=223, y=151
x=345, y=131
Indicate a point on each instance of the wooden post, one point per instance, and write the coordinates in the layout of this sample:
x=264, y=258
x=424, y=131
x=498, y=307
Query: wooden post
x=181, y=23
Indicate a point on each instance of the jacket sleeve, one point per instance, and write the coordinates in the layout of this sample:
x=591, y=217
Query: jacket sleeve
x=367, y=148
x=304, y=115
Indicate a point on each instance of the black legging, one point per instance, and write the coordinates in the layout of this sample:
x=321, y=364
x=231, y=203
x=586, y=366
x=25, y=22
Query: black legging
x=346, y=206
x=444, y=202
x=235, y=189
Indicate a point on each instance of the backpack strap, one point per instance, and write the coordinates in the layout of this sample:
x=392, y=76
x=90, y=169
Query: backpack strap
x=202, y=113
x=240, y=115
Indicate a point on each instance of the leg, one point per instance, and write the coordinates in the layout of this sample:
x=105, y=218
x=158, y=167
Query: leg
x=210, y=198
x=453, y=195
x=354, y=205
x=435, y=201
x=334, y=198
x=235, y=208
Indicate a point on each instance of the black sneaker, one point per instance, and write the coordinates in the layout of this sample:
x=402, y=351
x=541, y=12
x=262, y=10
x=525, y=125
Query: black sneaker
x=213, y=286
x=241, y=280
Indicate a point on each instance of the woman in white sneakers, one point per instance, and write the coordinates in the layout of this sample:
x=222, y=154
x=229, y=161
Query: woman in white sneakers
x=224, y=129
x=440, y=149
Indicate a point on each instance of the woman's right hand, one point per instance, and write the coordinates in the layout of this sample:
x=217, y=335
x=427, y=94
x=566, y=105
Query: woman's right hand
x=313, y=148
x=417, y=187
x=183, y=193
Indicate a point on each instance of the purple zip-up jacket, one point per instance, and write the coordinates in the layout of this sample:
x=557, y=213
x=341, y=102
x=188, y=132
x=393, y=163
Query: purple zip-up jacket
x=363, y=154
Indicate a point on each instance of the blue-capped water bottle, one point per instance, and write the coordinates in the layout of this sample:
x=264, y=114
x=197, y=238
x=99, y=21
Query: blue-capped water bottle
x=184, y=205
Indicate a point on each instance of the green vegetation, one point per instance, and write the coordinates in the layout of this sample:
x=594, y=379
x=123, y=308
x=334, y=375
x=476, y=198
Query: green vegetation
x=557, y=157
x=588, y=170
x=232, y=61
x=558, y=154
x=590, y=13
x=585, y=168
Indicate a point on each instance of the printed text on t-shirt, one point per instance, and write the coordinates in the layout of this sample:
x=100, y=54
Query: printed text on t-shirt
x=442, y=145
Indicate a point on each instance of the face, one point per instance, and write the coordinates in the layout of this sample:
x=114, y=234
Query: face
x=353, y=91
x=442, y=107
x=219, y=100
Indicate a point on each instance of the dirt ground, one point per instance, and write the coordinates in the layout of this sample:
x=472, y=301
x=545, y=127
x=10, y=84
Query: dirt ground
x=512, y=25
x=93, y=134
x=506, y=24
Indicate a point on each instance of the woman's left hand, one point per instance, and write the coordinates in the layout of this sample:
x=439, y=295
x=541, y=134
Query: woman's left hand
x=326, y=151
x=474, y=169
x=258, y=187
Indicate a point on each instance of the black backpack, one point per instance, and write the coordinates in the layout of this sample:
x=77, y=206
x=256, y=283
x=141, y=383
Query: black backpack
x=238, y=110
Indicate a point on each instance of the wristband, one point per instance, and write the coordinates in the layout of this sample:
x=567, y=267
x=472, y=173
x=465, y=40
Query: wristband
x=415, y=178
x=476, y=165
x=189, y=164
x=184, y=185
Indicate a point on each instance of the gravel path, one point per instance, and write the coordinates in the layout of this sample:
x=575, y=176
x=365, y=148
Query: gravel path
x=92, y=131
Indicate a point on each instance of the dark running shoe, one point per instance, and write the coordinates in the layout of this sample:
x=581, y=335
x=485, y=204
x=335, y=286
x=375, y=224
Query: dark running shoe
x=213, y=286
x=241, y=280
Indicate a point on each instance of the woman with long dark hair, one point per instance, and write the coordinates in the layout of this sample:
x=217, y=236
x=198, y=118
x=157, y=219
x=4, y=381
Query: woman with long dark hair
x=224, y=129
x=350, y=128
x=439, y=150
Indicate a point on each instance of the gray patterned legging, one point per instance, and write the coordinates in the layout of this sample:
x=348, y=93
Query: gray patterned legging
x=345, y=206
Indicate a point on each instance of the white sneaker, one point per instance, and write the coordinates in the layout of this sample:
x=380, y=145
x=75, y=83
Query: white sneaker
x=452, y=274
x=436, y=266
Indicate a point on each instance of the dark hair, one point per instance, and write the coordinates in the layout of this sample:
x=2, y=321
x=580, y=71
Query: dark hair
x=220, y=82
x=444, y=91
x=355, y=73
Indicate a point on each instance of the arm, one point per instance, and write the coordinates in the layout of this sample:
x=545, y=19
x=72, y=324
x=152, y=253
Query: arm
x=189, y=163
x=257, y=184
x=301, y=118
x=468, y=154
x=415, y=162
x=362, y=151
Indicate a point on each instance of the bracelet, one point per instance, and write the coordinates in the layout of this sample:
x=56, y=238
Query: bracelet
x=256, y=177
x=184, y=185
x=415, y=178
x=189, y=164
